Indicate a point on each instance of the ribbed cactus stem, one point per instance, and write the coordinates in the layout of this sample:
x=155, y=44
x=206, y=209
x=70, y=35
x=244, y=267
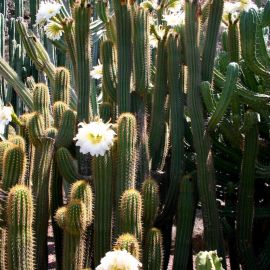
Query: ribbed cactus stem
x=124, y=56
x=61, y=91
x=59, y=108
x=157, y=125
x=208, y=260
x=81, y=190
x=153, y=255
x=74, y=219
x=209, y=51
x=185, y=220
x=41, y=99
x=82, y=13
x=67, y=128
x=142, y=59
x=233, y=45
x=4, y=145
x=14, y=165
x=40, y=177
x=103, y=177
x=245, y=207
x=36, y=128
x=131, y=213
x=205, y=170
x=18, y=140
x=109, y=76
x=129, y=243
x=66, y=165
x=150, y=196
x=20, y=211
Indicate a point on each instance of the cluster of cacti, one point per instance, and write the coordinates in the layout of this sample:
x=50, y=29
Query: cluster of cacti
x=179, y=122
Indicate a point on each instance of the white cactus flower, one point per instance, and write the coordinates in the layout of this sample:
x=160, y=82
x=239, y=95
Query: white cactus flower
x=95, y=138
x=120, y=260
x=53, y=30
x=47, y=10
x=174, y=18
x=5, y=118
x=96, y=73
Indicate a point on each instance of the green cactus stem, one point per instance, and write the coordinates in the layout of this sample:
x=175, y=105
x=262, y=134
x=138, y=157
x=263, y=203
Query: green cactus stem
x=41, y=99
x=66, y=165
x=153, y=255
x=61, y=91
x=245, y=207
x=40, y=177
x=150, y=196
x=124, y=54
x=14, y=166
x=205, y=170
x=20, y=245
x=208, y=260
x=131, y=213
x=185, y=220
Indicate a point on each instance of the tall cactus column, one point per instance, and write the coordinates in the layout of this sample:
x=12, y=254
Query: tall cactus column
x=82, y=14
x=245, y=207
x=102, y=170
x=205, y=169
x=20, y=234
x=124, y=56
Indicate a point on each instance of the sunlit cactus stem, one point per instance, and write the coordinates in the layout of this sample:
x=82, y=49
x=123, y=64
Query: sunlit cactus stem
x=103, y=177
x=20, y=211
x=205, y=169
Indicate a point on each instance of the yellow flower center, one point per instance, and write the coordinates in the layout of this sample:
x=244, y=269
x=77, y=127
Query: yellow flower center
x=94, y=138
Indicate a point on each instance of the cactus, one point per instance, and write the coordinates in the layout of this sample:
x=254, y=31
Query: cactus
x=153, y=257
x=206, y=260
x=59, y=108
x=66, y=165
x=67, y=127
x=245, y=207
x=18, y=140
x=81, y=12
x=103, y=180
x=14, y=165
x=4, y=145
x=150, y=196
x=41, y=100
x=124, y=56
x=73, y=220
x=131, y=213
x=81, y=190
x=129, y=243
x=126, y=154
x=40, y=176
x=205, y=170
x=20, y=246
x=61, y=91
x=185, y=219
x=36, y=128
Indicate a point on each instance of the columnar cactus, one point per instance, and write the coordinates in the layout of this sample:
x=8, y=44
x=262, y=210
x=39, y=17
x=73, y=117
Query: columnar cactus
x=20, y=212
x=208, y=260
x=131, y=213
